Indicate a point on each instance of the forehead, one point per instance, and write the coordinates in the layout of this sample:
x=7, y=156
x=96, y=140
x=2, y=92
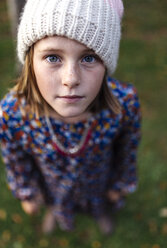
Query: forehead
x=60, y=43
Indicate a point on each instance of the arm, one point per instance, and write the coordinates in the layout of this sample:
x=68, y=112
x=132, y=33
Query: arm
x=22, y=178
x=124, y=178
x=19, y=165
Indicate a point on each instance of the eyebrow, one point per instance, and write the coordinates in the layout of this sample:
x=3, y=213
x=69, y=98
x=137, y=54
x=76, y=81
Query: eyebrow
x=51, y=50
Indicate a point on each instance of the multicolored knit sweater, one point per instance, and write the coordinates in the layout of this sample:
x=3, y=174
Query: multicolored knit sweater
x=108, y=161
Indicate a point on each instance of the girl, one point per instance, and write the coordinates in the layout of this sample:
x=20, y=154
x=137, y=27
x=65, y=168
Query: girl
x=69, y=132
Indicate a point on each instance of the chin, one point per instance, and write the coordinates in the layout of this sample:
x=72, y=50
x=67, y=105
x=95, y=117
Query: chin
x=74, y=116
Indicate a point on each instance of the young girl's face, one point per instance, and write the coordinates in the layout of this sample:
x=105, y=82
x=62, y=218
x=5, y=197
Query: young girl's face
x=68, y=74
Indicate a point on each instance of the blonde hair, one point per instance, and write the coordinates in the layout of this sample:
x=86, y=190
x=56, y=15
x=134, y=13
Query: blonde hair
x=26, y=86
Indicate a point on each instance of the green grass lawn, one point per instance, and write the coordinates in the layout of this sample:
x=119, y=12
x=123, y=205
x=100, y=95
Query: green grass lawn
x=143, y=61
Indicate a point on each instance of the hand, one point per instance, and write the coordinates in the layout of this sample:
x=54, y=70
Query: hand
x=30, y=207
x=114, y=195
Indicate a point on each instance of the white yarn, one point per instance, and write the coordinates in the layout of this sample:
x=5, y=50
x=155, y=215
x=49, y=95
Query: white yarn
x=95, y=23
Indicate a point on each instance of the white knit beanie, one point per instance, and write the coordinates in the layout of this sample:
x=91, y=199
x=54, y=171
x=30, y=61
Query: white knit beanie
x=94, y=23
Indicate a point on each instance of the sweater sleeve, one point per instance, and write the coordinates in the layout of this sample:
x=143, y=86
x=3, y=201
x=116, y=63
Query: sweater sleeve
x=21, y=176
x=126, y=144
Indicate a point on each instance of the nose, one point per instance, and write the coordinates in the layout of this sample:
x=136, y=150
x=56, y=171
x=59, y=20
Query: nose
x=70, y=76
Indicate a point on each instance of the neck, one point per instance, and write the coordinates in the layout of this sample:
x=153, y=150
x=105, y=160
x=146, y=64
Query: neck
x=70, y=120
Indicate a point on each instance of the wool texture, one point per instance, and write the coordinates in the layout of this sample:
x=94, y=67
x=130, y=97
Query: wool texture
x=94, y=23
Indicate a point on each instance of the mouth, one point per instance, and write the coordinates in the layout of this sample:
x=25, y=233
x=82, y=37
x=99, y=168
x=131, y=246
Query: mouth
x=71, y=98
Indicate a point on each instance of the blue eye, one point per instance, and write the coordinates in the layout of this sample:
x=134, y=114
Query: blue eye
x=89, y=59
x=52, y=59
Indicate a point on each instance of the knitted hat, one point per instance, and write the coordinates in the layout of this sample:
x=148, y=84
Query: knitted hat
x=94, y=23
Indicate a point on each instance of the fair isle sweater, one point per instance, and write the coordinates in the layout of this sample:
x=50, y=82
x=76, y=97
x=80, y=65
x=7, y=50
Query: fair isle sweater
x=108, y=161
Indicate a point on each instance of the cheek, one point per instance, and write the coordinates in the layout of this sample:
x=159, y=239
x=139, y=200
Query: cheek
x=44, y=81
x=41, y=84
x=96, y=82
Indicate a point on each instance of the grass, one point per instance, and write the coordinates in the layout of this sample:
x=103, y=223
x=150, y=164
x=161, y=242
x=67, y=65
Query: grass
x=143, y=61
